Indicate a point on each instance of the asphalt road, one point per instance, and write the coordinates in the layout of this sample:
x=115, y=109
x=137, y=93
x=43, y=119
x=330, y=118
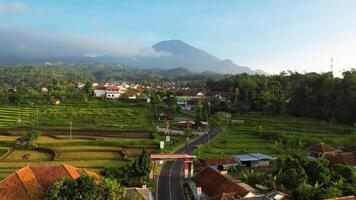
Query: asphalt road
x=170, y=180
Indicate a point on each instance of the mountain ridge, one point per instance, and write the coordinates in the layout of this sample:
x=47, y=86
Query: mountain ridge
x=171, y=54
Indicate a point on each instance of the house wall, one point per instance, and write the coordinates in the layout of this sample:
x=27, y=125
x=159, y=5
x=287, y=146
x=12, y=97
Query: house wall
x=99, y=93
x=113, y=95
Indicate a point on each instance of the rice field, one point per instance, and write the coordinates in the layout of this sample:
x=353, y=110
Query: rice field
x=90, y=152
x=92, y=115
x=276, y=135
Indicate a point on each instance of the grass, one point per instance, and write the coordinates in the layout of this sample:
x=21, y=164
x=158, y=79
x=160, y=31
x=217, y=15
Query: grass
x=275, y=135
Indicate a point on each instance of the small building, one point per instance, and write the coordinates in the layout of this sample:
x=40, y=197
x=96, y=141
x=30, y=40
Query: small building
x=214, y=185
x=253, y=160
x=44, y=90
x=222, y=95
x=224, y=163
x=79, y=85
x=165, y=117
x=113, y=95
x=318, y=151
x=187, y=124
x=344, y=158
x=99, y=91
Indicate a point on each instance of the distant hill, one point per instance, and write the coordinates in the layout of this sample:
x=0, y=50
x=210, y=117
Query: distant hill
x=172, y=54
x=181, y=54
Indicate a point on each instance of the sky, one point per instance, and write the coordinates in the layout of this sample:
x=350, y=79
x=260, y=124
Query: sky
x=272, y=35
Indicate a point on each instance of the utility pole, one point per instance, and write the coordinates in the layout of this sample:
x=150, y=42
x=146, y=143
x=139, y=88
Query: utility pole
x=332, y=65
x=70, y=131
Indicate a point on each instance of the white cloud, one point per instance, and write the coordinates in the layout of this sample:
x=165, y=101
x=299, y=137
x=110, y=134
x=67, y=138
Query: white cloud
x=31, y=43
x=12, y=7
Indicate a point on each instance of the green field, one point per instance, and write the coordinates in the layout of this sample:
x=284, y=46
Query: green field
x=90, y=152
x=276, y=135
x=105, y=133
x=94, y=114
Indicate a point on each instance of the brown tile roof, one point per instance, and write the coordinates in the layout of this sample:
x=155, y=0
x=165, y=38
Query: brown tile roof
x=214, y=184
x=345, y=158
x=343, y=198
x=31, y=182
x=220, y=161
x=322, y=148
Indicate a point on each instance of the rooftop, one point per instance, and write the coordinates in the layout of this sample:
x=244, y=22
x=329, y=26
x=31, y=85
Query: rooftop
x=345, y=158
x=252, y=157
x=216, y=185
x=220, y=161
x=31, y=182
x=322, y=148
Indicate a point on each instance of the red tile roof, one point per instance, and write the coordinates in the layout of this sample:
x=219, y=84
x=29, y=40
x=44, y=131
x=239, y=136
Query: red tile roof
x=322, y=148
x=220, y=161
x=345, y=158
x=31, y=182
x=214, y=184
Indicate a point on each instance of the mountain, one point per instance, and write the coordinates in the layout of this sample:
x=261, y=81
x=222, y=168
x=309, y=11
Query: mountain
x=176, y=53
x=167, y=55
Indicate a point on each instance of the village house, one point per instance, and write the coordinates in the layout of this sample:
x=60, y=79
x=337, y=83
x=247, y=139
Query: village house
x=318, y=151
x=187, y=124
x=224, y=163
x=344, y=158
x=214, y=185
x=31, y=182
x=99, y=91
x=80, y=85
x=165, y=117
x=187, y=98
x=222, y=95
x=253, y=160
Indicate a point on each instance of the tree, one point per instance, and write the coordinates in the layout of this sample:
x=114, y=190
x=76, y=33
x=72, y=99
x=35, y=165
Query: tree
x=28, y=140
x=156, y=99
x=219, y=120
x=82, y=188
x=88, y=88
x=134, y=174
x=111, y=189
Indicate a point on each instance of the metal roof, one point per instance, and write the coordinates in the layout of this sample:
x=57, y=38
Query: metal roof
x=252, y=157
x=172, y=156
x=261, y=156
x=245, y=157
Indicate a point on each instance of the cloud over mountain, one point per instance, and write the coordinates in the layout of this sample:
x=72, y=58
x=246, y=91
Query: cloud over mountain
x=12, y=7
x=39, y=45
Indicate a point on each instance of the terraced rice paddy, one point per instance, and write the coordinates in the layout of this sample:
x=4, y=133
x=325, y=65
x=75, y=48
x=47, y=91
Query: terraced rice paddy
x=86, y=151
x=92, y=115
x=277, y=136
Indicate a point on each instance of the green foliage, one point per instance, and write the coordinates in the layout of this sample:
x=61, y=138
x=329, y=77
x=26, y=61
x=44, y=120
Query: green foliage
x=85, y=188
x=134, y=174
x=308, y=180
x=320, y=96
x=28, y=140
x=219, y=120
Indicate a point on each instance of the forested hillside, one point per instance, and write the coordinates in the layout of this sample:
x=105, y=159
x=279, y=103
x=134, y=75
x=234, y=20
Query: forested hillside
x=28, y=75
x=320, y=96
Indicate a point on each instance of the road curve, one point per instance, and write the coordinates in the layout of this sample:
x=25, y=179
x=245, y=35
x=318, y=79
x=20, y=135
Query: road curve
x=170, y=179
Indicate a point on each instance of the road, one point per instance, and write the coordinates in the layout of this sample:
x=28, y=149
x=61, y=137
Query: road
x=170, y=180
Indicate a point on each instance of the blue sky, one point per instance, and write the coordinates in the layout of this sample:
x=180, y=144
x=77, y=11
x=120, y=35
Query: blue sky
x=272, y=35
